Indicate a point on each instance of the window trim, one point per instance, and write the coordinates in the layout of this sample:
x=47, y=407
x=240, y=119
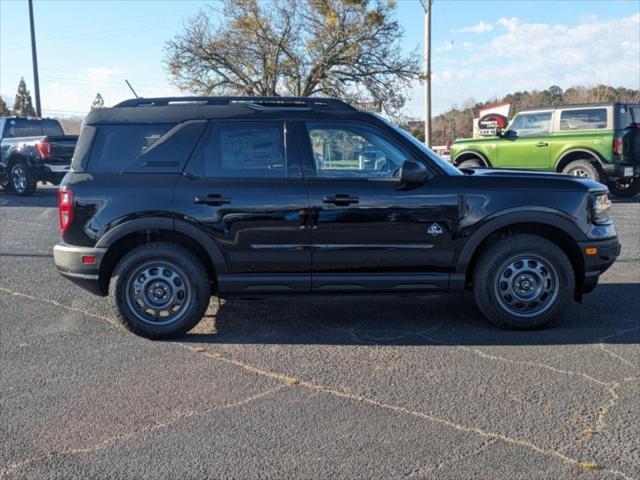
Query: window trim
x=307, y=150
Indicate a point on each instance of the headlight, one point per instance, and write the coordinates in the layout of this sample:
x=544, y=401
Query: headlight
x=600, y=208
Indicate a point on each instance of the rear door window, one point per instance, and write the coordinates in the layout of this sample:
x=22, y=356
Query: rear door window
x=583, y=119
x=244, y=150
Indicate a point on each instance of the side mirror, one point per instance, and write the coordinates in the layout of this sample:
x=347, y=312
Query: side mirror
x=413, y=173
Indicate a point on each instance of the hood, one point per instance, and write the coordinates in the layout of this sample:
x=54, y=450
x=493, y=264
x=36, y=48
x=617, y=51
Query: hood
x=517, y=179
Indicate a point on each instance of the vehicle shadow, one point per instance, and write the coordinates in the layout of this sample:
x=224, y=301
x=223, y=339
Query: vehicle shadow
x=46, y=196
x=607, y=316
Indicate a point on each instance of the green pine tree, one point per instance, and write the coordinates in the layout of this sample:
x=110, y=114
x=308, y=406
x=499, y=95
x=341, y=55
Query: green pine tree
x=23, y=105
x=4, y=109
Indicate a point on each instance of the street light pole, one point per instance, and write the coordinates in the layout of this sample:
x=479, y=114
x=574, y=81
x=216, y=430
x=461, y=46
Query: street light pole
x=426, y=5
x=34, y=58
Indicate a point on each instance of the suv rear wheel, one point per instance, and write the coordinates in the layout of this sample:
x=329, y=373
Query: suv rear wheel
x=161, y=290
x=523, y=281
x=625, y=188
x=583, y=169
x=21, y=180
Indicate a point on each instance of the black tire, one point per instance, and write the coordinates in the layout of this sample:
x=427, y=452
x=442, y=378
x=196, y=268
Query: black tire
x=625, y=188
x=583, y=169
x=492, y=283
x=147, y=273
x=21, y=180
x=471, y=163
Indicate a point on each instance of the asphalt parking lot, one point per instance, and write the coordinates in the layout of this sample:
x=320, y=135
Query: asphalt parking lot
x=344, y=387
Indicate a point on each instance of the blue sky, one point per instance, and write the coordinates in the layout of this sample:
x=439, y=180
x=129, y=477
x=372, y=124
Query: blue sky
x=482, y=49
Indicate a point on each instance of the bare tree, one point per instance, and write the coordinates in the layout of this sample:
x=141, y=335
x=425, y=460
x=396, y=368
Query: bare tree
x=344, y=48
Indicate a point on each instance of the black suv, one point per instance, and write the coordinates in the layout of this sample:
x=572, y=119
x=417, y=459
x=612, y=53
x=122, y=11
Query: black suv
x=178, y=199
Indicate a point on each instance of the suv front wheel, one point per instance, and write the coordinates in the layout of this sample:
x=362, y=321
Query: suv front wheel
x=523, y=281
x=162, y=290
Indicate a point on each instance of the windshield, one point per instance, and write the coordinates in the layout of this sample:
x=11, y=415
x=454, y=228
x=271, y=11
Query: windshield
x=442, y=163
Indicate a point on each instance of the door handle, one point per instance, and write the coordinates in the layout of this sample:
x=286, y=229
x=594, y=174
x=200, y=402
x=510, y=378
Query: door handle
x=542, y=144
x=340, y=199
x=213, y=199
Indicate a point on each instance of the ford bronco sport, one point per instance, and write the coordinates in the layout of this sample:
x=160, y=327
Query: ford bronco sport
x=172, y=200
x=598, y=141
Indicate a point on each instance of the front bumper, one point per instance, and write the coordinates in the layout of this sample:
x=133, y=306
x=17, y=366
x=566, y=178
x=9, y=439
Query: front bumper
x=595, y=265
x=618, y=171
x=69, y=262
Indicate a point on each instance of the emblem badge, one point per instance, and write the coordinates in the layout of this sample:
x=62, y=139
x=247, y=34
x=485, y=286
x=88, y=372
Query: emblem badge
x=434, y=229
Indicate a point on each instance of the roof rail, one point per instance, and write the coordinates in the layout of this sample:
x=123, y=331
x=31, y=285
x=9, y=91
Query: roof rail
x=258, y=103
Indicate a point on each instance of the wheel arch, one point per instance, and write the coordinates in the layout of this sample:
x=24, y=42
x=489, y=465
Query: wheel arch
x=554, y=228
x=16, y=157
x=126, y=236
x=578, y=154
x=471, y=154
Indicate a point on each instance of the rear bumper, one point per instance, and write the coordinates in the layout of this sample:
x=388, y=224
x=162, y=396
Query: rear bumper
x=69, y=262
x=595, y=265
x=51, y=172
x=617, y=171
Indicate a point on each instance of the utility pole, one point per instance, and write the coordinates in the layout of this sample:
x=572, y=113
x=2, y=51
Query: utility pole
x=34, y=58
x=426, y=5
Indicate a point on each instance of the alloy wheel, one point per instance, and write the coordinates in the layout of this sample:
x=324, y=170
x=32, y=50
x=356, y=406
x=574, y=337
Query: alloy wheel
x=19, y=179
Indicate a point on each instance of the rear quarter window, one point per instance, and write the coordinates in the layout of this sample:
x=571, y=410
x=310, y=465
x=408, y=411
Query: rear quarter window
x=583, y=119
x=142, y=148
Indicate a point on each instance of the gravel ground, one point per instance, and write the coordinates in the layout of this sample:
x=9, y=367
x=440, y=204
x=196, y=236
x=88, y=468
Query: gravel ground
x=344, y=387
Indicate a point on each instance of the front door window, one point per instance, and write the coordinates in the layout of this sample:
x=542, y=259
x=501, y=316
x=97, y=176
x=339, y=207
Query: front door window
x=352, y=151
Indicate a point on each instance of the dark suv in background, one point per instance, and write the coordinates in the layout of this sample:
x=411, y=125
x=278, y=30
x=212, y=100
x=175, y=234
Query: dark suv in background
x=172, y=200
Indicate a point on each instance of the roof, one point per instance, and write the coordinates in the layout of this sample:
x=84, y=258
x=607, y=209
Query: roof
x=177, y=109
x=578, y=105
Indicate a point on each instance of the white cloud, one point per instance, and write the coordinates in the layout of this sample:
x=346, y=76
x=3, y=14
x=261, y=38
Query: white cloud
x=480, y=27
x=528, y=56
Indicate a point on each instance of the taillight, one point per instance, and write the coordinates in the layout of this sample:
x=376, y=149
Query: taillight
x=617, y=145
x=65, y=208
x=43, y=149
